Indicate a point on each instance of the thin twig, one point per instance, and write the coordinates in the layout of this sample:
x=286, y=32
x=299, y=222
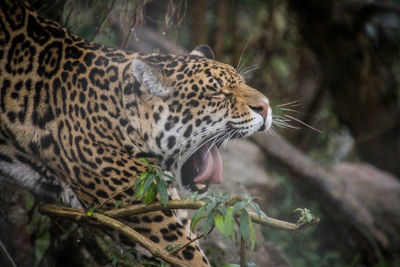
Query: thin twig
x=242, y=252
x=101, y=24
x=129, y=186
x=191, y=241
x=7, y=255
x=187, y=244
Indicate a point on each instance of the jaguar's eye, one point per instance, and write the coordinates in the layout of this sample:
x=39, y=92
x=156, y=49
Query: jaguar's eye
x=222, y=94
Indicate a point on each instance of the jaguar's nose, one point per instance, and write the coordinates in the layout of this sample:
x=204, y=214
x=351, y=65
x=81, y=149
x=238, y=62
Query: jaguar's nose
x=261, y=108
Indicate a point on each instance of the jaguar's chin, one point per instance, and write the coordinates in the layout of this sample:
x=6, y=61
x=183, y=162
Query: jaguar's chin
x=202, y=168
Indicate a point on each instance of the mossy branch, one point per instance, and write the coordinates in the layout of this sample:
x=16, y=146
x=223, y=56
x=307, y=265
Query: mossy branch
x=189, y=204
x=109, y=219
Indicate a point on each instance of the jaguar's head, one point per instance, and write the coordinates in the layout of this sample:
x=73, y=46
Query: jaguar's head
x=188, y=106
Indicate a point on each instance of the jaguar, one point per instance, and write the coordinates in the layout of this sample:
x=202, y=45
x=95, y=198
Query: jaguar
x=76, y=117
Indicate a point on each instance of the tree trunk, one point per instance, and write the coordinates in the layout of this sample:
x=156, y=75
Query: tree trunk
x=197, y=17
x=220, y=32
x=358, y=76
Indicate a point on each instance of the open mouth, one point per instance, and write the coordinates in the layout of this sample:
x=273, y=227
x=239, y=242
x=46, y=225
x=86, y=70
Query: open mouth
x=202, y=168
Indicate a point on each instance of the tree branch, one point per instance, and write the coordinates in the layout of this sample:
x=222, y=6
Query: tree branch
x=189, y=204
x=109, y=219
x=79, y=215
x=177, y=204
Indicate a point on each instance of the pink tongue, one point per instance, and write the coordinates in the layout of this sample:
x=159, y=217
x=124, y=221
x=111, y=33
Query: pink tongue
x=210, y=167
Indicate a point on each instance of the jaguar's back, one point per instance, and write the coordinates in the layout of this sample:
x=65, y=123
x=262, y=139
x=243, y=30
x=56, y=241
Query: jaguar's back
x=57, y=92
x=76, y=117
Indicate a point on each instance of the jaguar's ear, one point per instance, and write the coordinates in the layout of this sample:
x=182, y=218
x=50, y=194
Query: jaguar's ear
x=151, y=78
x=203, y=51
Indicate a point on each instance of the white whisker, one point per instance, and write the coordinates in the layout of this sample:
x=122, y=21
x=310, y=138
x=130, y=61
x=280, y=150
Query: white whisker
x=216, y=140
x=272, y=132
x=291, y=110
x=238, y=67
x=305, y=124
x=293, y=103
x=214, y=137
x=249, y=69
x=285, y=125
x=214, y=128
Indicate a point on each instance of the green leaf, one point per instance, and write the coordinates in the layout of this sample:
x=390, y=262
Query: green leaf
x=222, y=210
x=162, y=190
x=244, y=224
x=309, y=217
x=117, y=204
x=194, y=196
x=150, y=194
x=137, y=185
x=169, y=176
x=231, y=265
x=149, y=166
x=197, y=216
x=90, y=212
x=300, y=210
x=228, y=223
x=233, y=235
x=149, y=180
x=252, y=235
x=208, y=224
x=238, y=206
x=114, y=260
x=256, y=208
x=219, y=223
x=139, y=189
x=210, y=207
x=206, y=199
x=143, y=175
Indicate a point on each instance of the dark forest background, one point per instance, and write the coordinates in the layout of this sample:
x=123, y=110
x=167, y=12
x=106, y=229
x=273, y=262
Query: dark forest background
x=332, y=64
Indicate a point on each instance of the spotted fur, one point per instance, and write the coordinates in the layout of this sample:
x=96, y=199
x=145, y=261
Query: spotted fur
x=75, y=117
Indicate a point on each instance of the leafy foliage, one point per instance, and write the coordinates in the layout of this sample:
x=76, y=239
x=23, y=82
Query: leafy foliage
x=218, y=214
x=90, y=211
x=150, y=183
x=303, y=249
x=305, y=215
x=121, y=254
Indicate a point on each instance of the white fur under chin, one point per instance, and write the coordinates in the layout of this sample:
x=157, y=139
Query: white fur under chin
x=268, y=120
